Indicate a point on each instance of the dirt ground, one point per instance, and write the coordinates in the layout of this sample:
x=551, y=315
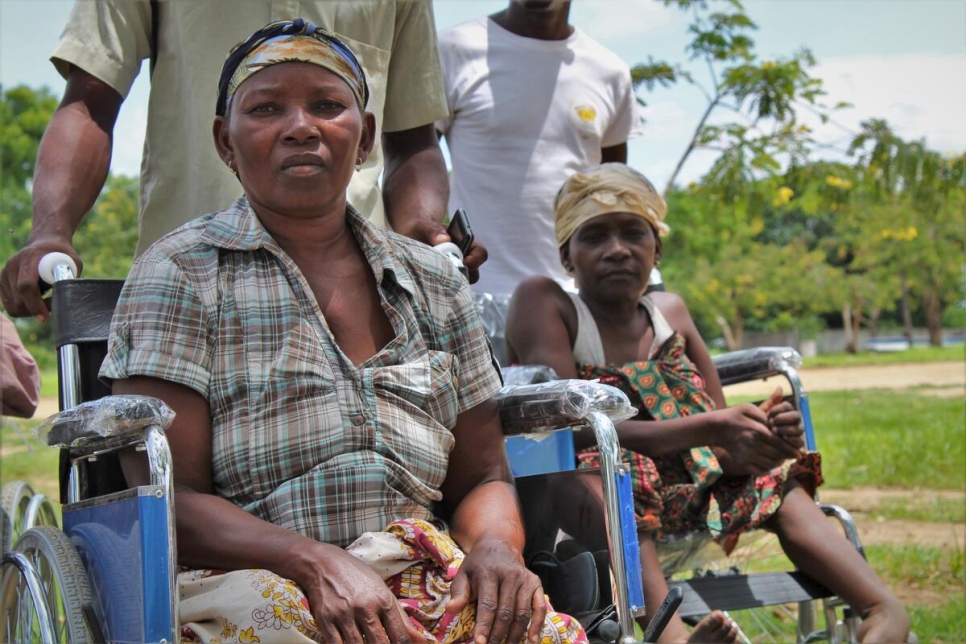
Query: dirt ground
x=941, y=378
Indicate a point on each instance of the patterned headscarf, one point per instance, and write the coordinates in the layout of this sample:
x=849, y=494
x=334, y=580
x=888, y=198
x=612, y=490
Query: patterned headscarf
x=290, y=41
x=603, y=189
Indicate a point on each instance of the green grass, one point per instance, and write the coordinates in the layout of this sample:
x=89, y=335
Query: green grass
x=943, y=623
x=924, y=509
x=913, y=565
x=48, y=383
x=890, y=439
x=915, y=354
x=25, y=459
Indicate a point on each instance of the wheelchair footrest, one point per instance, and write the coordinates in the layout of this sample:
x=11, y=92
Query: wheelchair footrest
x=736, y=592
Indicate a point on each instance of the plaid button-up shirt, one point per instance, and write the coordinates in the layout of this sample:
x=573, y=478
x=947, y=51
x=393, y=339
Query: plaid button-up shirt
x=302, y=437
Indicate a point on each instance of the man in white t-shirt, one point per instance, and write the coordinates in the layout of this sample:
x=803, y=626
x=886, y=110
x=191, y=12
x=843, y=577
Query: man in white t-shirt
x=531, y=100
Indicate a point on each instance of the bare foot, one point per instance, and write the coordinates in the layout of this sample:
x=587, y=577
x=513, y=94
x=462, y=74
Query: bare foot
x=885, y=622
x=716, y=628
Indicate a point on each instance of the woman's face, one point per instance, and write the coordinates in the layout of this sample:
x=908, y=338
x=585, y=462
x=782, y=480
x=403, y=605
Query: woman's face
x=612, y=255
x=294, y=133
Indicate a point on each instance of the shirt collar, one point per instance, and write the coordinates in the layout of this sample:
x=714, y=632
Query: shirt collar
x=238, y=228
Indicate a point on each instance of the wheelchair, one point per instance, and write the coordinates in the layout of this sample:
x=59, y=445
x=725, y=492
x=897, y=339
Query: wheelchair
x=109, y=574
x=773, y=602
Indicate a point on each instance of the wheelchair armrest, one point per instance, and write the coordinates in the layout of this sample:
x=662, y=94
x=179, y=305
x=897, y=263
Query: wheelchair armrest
x=528, y=374
x=752, y=364
x=107, y=423
x=562, y=403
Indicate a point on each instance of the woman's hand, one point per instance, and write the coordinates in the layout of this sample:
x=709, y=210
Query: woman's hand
x=785, y=420
x=747, y=443
x=350, y=602
x=509, y=599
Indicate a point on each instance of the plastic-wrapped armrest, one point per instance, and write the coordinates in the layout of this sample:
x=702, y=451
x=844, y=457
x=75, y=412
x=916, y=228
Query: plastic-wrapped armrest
x=550, y=405
x=105, y=423
x=751, y=364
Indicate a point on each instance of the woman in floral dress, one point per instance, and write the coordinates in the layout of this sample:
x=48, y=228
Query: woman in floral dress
x=704, y=466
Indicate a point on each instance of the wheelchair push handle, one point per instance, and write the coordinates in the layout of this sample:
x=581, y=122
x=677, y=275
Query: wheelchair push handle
x=54, y=267
x=452, y=252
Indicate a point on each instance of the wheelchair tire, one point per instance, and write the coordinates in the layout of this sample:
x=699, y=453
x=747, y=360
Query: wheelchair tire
x=65, y=584
x=14, y=499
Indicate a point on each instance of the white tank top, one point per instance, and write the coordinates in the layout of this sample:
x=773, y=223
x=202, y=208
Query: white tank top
x=588, y=348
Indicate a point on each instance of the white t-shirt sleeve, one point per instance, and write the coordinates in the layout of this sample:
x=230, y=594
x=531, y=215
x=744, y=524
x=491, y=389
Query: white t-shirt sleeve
x=626, y=122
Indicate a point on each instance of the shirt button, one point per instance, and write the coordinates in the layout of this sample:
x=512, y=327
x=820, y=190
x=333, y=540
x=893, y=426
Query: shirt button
x=358, y=419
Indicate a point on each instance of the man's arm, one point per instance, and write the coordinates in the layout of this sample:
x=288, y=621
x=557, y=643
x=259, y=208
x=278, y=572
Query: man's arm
x=416, y=190
x=72, y=164
x=415, y=187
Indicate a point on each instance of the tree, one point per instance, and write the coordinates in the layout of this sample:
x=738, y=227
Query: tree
x=731, y=272
x=762, y=96
x=909, y=210
x=24, y=114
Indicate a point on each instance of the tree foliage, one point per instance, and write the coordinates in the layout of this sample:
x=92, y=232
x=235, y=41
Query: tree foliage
x=105, y=240
x=761, y=98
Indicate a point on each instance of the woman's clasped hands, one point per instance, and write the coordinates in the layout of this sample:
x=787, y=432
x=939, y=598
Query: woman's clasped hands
x=752, y=439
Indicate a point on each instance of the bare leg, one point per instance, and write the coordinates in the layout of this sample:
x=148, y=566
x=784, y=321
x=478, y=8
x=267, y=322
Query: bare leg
x=582, y=517
x=817, y=547
x=716, y=627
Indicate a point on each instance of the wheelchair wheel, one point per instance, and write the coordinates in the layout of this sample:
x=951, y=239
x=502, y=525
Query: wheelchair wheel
x=15, y=499
x=64, y=588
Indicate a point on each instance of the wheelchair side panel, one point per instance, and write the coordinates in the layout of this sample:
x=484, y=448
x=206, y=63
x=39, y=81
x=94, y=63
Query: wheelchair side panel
x=122, y=540
x=632, y=552
x=542, y=453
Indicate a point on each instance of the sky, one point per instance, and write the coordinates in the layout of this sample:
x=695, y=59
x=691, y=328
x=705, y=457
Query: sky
x=901, y=60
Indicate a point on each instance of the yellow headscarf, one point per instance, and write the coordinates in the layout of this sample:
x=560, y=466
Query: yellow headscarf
x=603, y=189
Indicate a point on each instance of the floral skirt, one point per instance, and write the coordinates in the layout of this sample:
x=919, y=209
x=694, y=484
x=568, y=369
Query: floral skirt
x=417, y=560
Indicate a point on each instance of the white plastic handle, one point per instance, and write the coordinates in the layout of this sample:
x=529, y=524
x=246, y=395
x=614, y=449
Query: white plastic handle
x=449, y=248
x=50, y=265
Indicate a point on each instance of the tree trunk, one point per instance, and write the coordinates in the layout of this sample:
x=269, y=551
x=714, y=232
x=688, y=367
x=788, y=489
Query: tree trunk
x=726, y=331
x=850, y=340
x=856, y=329
x=874, y=316
x=934, y=317
x=904, y=305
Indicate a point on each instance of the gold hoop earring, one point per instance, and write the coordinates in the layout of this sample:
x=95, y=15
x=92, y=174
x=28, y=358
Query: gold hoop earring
x=358, y=165
x=231, y=166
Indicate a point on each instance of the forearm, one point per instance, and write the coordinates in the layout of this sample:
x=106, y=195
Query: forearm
x=215, y=533
x=489, y=511
x=415, y=185
x=72, y=164
x=657, y=438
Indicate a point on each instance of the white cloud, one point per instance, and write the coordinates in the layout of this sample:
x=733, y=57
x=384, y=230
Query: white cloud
x=608, y=20
x=919, y=95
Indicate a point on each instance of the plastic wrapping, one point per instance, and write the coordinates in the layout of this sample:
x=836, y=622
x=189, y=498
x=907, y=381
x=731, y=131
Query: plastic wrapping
x=529, y=408
x=687, y=551
x=528, y=374
x=107, y=420
x=750, y=364
x=492, y=309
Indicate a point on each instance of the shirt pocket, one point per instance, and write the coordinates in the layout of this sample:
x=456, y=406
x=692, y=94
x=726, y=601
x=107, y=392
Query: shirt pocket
x=425, y=387
x=294, y=422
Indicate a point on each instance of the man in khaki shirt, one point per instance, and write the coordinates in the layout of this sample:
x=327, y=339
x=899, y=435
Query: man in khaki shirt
x=100, y=54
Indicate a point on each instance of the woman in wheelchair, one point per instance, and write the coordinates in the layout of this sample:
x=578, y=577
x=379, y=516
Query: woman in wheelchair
x=334, y=390
x=704, y=466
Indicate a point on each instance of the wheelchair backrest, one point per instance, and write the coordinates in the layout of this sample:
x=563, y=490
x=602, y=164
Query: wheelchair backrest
x=81, y=316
